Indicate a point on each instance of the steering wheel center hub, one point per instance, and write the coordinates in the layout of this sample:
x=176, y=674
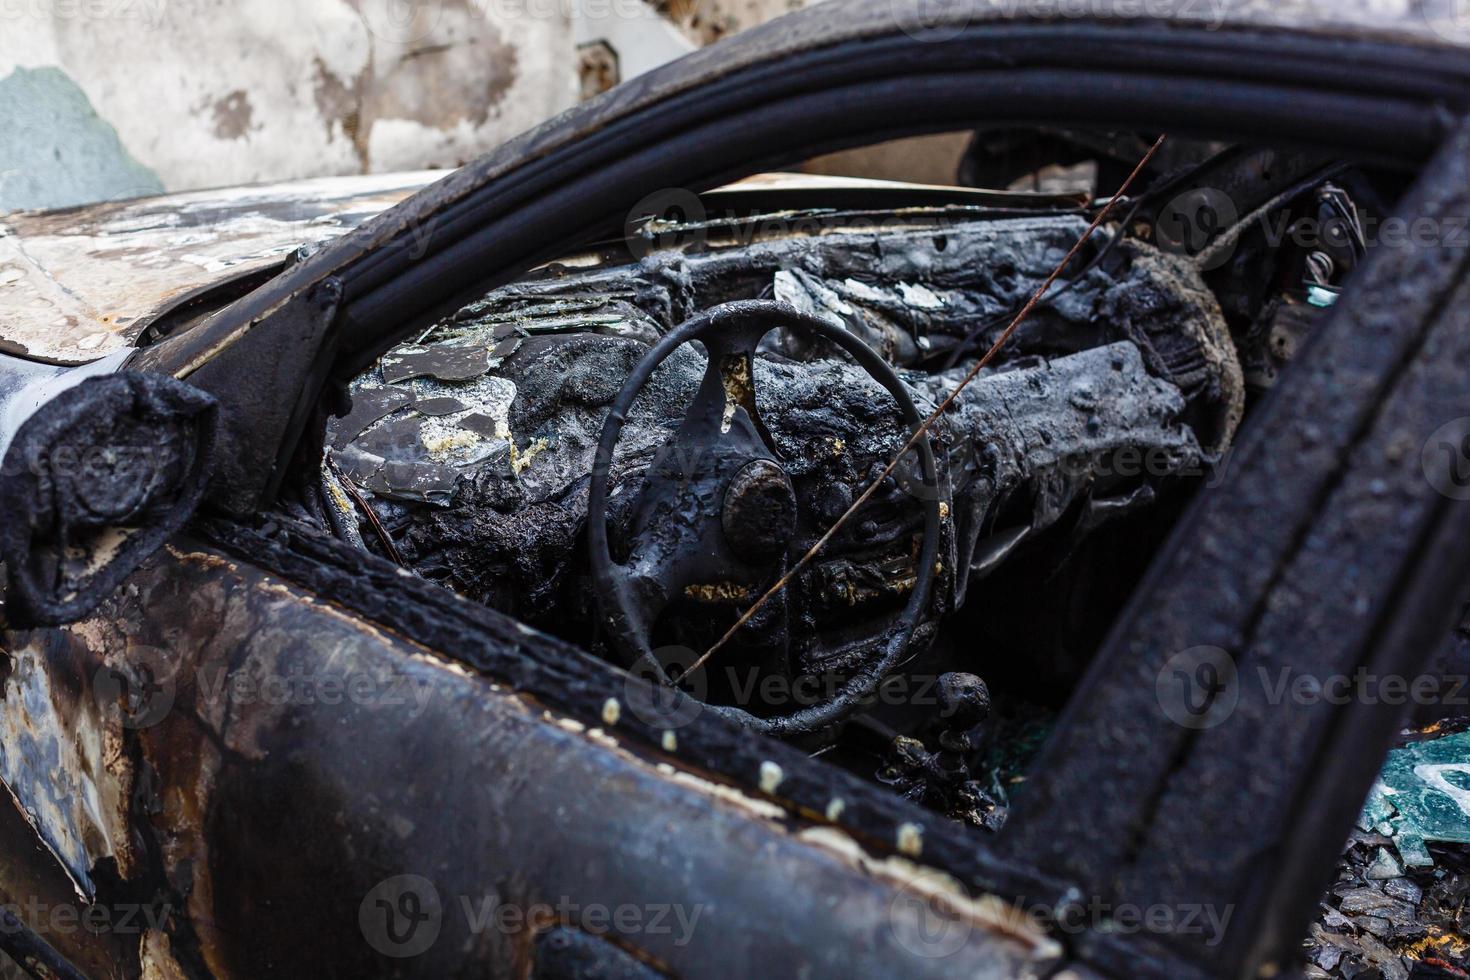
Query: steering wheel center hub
x=759, y=514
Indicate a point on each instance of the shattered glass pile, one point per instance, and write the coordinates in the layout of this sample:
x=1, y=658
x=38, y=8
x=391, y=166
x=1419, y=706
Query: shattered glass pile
x=1400, y=907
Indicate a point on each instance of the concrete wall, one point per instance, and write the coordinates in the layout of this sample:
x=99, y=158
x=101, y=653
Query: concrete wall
x=103, y=99
x=205, y=93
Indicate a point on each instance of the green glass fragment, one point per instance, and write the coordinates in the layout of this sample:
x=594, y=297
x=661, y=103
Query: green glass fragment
x=1423, y=794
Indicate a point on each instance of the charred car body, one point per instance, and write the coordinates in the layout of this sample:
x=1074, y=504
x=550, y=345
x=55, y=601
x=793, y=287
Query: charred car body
x=360, y=568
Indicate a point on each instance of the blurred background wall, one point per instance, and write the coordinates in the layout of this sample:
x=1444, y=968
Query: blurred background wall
x=103, y=99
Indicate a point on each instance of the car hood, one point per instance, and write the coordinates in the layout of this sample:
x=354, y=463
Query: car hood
x=81, y=283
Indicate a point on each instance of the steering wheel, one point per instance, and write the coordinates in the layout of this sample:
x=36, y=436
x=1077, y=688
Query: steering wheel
x=718, y=511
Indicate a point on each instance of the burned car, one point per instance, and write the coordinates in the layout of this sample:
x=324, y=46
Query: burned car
x=620, y=558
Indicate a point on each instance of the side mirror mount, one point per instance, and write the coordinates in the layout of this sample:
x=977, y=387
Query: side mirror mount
x=98, y=468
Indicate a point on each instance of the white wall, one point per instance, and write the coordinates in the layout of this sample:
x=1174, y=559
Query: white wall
x=206, y=93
